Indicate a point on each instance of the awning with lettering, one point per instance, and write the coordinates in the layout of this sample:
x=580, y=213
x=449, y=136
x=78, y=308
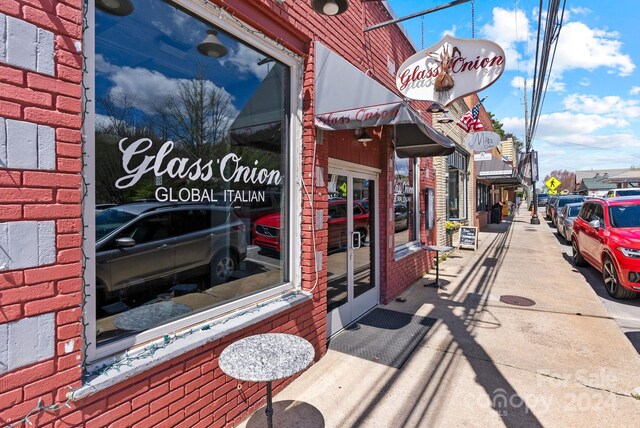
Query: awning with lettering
x=496, y=171
x=347, y=98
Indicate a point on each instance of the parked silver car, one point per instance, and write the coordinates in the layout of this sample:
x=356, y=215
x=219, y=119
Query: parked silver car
x=566, y=217
x=142, y=244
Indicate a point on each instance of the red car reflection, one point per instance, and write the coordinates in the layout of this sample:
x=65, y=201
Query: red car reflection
x=267, y=229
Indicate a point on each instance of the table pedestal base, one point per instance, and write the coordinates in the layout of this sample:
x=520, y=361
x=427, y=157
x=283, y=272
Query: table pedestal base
x=436, y=283
x=269, y=409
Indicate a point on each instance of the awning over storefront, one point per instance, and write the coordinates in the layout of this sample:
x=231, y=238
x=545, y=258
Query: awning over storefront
x=260, y=121
x=497, y=172
x=347, y=98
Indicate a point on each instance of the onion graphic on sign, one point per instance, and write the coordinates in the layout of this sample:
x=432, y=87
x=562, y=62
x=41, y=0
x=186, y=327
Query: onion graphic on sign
x=483, y=140
x=451, y=69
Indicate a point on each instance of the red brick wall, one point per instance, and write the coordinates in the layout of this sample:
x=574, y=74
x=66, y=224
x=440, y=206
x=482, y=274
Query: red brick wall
x=191, y=390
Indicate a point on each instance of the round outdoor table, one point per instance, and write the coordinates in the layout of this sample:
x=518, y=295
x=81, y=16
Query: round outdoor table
x=437, y=249
x=265, y=358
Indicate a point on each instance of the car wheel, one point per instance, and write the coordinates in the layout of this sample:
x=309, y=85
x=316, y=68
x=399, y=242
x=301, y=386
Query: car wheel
x=577, y=257
x=611, y=283
x=222, y=265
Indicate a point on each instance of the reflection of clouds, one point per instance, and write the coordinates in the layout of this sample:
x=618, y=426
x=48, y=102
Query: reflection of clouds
x=102, y=121
x=246, y=60
x=402, y=167
x=148, y=89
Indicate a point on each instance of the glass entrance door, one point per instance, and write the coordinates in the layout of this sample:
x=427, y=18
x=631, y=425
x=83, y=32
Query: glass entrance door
x=352, y=256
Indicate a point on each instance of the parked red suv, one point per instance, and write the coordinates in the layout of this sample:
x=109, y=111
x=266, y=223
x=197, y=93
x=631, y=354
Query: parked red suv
x=606, y=234
x=267, y=229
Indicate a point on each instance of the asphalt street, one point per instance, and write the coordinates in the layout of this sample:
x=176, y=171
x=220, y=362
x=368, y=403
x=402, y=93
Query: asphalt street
x=626, y=313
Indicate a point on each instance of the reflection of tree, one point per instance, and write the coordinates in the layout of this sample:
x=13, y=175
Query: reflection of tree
x=120, y=111
x=198, y=115
x=196, y=118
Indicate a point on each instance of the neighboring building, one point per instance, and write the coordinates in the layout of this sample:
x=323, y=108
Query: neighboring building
x=175, y=176
x=626, y=179
x=455, y=175
x=508, y=150
x=597, y=186
x=598, y=173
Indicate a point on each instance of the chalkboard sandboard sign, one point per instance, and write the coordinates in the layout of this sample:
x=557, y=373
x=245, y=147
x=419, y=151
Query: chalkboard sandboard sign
x=469, y=237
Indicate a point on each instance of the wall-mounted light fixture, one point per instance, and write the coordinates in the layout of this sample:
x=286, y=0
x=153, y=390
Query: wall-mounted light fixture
x=435, y=108
x=330, y=7
x=363, y=136
x=211, y=45
x=445, y=118
x=115, y=7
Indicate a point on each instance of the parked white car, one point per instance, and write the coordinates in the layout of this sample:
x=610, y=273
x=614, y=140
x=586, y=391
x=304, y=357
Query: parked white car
x=623, y=192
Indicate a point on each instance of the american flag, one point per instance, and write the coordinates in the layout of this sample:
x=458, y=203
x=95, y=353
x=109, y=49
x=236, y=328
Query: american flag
x=470, y=120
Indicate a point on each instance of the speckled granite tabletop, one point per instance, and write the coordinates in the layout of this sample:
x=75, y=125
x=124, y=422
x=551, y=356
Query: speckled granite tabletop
x=266, y=357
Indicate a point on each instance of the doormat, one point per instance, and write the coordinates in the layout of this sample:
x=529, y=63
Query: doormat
x=383, y=336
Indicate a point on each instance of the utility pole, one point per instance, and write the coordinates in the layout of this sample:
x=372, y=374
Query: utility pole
x=527, y=140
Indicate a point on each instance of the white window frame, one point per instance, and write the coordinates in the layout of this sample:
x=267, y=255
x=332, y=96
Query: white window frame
x=226, y=22
x=399, y=250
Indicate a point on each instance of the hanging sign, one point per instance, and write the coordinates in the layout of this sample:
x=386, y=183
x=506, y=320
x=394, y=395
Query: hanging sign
x=451, y=69
x=483, y=140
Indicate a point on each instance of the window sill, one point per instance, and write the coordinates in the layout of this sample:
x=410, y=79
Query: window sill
x=407, y=250
x=233, y=323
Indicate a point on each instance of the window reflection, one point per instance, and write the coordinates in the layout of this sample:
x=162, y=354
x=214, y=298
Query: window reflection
x=404, y=198
x=191, y=155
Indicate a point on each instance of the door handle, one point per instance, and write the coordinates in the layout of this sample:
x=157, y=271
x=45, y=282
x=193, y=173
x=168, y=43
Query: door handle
x=355, y=235
x=163, y=246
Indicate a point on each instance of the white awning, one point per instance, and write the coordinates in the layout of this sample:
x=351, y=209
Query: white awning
x=346, y=98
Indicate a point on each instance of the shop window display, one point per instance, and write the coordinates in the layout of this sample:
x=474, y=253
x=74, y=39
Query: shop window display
x=191, y=151
x=404, y=201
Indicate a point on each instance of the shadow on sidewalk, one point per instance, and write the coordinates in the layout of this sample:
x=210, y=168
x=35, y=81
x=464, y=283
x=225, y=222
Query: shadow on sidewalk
x=478, y=282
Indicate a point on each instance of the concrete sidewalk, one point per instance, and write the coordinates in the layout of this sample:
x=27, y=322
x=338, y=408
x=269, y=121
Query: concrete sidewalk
x=561, y=362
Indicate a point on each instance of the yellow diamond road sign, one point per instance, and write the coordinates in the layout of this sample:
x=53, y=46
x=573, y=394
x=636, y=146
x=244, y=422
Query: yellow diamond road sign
x=552, y=183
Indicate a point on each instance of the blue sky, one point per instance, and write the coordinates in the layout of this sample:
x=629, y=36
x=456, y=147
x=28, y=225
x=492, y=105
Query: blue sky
x=147, y=55
x=591, y=114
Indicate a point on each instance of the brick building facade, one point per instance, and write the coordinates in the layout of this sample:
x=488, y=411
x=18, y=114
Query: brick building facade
x=51, y=319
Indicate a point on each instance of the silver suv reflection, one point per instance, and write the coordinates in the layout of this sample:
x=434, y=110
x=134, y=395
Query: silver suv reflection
x=143, y=243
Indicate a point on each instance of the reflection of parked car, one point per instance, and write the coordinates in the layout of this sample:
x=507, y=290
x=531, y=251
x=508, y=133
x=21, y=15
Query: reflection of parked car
x=249, y=212
x=606, y=234
x=139, y=243
x=622, y=192
x=542, y=199
x=267, y=228
x=566, y=218
x=401, y=217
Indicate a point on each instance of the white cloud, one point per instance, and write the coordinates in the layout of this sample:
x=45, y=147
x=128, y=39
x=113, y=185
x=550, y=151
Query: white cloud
x=589, y=48
x=451, y=32
x=562, y=125
x=508, y=28
x=635, y=90
x=584, y=82
x=246, y=60
x=147, y=89
x=518, y=82
x=608, y=105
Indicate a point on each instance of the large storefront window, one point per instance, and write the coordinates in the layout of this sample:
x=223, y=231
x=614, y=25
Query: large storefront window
x=457, y=185
x=191, y=155
x=405, y=201
x=453, y=194
x=483, y=197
